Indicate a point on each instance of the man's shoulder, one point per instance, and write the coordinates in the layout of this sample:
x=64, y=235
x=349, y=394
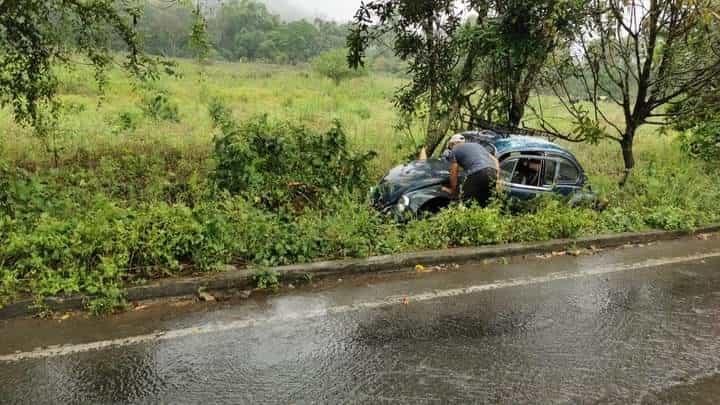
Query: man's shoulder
x=470, y=147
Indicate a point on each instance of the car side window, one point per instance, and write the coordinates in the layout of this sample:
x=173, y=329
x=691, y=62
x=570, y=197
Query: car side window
x=507, y=168
x=568, y=173
x=549, y=172
x=528, y=172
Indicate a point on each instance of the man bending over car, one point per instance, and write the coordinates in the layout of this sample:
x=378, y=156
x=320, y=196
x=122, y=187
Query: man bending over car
x=481, y=170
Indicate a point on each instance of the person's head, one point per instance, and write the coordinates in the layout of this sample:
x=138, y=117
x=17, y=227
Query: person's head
x=455, y=140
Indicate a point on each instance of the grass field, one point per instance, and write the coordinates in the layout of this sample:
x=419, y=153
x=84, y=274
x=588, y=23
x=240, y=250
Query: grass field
x=122, y=192
x=362, y=105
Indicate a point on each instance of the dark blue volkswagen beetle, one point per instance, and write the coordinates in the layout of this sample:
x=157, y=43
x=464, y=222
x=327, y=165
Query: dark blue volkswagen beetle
x=529, y=167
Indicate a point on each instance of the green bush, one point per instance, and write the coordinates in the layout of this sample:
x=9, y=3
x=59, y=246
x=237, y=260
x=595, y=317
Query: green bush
x=71, y=254
x=618, y=219
x=281, y=165
x=552, y=219
x=159, y=107
x=126, y=121
x=703, y=141
x=333, y=64
x=167, y=236
x=266, y=279
x=345, y=228
x=473, y=226
x=670, y=219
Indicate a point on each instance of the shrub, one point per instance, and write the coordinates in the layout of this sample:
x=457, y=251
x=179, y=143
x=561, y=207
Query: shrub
x=552, y=219
x=71, y=254
x=9, y=285
x=458, y=226
x=334, y=65
x=703, y=141
x=158, y=106
x=279, y=165
x=167, y=236
x=266, y=279
x=345, y=228
x=126, y=121
x=670, y=219
x=618, y=219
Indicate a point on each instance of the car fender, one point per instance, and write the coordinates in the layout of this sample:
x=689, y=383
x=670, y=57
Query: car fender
x=419, y=198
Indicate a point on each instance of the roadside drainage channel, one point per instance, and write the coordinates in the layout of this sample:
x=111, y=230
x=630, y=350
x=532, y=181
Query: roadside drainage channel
x=236, y=279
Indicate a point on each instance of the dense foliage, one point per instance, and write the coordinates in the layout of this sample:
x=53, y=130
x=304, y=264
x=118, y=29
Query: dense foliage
x=644, y=58
x=38, y=35
x=465, y=70
x=699, y=120
x=239, y=30
x=333, y=65
x=279, y=164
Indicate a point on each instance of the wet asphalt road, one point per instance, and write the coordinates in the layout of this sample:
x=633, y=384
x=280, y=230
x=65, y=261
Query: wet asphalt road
x=631, y=325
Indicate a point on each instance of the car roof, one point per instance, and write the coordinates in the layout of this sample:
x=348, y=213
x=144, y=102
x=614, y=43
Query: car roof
x=505, y=144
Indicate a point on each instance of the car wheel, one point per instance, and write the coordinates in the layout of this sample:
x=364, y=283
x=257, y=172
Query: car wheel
x=434, y=206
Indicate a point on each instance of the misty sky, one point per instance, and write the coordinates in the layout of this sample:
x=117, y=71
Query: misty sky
x=340, y=10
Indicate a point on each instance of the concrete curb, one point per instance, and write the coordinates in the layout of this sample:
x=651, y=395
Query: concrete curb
x=242, y=279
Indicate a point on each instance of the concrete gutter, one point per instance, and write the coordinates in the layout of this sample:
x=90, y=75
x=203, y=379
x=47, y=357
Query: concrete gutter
x=241, y=279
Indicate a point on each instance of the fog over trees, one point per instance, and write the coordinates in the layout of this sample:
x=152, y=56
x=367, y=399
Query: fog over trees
x=340, y=10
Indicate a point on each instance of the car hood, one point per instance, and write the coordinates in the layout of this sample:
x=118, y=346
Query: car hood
x=410, y=177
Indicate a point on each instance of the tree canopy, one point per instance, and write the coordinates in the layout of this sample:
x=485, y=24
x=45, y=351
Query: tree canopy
x=35, y=35
x=239, y=30
x=643, y=56
x=469, y=60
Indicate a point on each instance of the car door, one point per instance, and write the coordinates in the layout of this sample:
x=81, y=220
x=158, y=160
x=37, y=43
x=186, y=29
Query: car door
x=527, y=176
x=568, y=177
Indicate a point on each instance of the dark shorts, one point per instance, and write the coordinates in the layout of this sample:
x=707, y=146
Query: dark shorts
x=479, y=186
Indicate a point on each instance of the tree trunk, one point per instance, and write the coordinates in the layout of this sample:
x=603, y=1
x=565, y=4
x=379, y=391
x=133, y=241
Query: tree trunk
x=433, y=136
x=628, y=155
x=515, y=115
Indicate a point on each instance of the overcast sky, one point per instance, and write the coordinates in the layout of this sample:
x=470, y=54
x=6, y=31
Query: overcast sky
x=340, y=10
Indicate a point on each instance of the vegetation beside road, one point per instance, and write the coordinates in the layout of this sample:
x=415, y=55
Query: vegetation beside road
x=143, y=184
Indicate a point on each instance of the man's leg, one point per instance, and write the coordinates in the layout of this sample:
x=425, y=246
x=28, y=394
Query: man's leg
x=480, y=186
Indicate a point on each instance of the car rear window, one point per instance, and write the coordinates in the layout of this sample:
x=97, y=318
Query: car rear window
x=568, y=173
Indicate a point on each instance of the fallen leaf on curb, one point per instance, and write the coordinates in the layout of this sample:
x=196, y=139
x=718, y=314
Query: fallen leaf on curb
x=205, y=297
x=65, y=317
x=422, y=269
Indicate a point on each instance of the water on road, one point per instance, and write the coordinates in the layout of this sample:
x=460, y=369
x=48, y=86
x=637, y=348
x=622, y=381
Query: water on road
x=632, y=325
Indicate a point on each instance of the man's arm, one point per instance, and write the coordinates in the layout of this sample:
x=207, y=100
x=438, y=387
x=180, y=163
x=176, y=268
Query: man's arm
x=498, y=185
x=454, y=172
